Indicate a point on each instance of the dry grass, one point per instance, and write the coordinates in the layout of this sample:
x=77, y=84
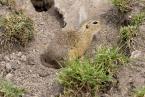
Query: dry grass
x=10, y=3
x=16, y=30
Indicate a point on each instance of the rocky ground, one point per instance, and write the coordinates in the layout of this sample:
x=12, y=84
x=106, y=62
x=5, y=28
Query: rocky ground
x=24, y=68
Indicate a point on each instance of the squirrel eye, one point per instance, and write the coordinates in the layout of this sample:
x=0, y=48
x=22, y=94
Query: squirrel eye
x=95, y=22
x=87, y=26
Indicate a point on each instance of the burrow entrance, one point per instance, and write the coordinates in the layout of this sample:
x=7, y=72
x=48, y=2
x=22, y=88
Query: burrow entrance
x=48, y=6
x=42, y=5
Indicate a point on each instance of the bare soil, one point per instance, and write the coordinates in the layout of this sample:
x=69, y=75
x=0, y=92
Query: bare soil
x=25, y=69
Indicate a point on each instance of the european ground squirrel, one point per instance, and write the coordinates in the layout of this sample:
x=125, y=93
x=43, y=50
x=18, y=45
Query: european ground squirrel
x=70, y=44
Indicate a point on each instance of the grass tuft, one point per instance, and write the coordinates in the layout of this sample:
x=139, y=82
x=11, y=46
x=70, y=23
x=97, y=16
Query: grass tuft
x=81, y=77
x=16, y=28
x=123, y=5
x=138, y=19
x=7, y=89
x=140, y=92
x=127, y=33
x=109, y=59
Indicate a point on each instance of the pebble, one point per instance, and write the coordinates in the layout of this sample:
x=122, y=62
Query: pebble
x=3, y=63
x=31, y=61
x=8, y=67
x=19, y=54
x=9, y=76
x=136, y=54
x=23, y=58
x=6, y=58
x=18, y=62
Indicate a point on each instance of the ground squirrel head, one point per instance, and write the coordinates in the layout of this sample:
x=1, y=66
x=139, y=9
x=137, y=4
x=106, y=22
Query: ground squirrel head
x=91, y=27
x=86, y=25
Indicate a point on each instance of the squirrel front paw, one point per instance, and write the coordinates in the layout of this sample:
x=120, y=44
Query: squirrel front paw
x=73, y=54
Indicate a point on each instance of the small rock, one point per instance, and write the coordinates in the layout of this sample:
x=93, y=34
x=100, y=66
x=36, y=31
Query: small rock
x=6, y=58
x=13, y=65
x=19, y=54
x=13, y=56
x=9, y=76
x=18, y=62
x=23, y=58
x=137, y=54
x=31, y=61
x=3, y=63
x=8, y=67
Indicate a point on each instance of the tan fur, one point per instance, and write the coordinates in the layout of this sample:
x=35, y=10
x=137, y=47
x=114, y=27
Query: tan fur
x=86, y=36
x=70, y=45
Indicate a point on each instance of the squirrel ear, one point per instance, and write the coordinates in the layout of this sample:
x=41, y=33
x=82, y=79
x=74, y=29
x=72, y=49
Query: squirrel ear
x=82, y=15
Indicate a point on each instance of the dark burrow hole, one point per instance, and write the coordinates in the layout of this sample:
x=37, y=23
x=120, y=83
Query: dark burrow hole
x=42, y=5
x=48, y=6
x=48, y=62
